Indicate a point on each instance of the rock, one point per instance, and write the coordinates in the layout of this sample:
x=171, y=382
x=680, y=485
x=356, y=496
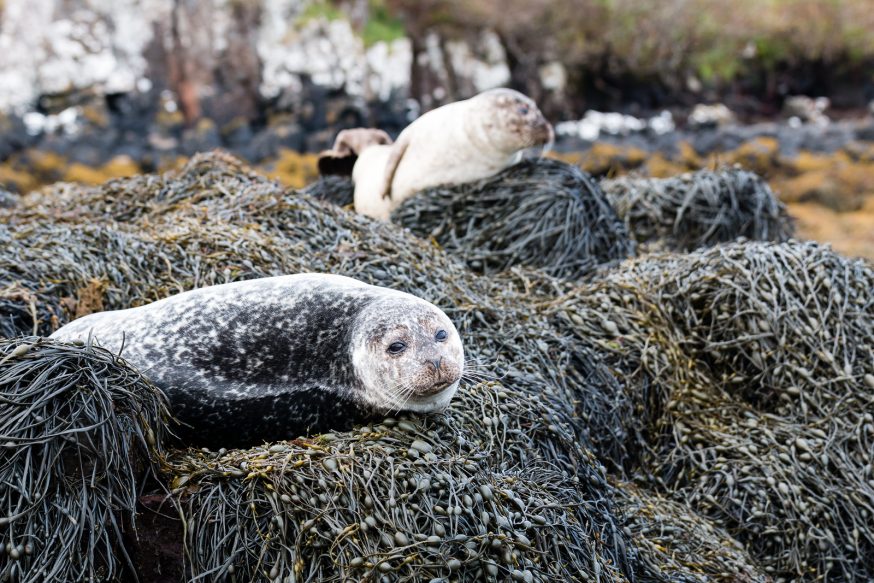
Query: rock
x=204, y=136
x=268, y=142
x=865, y=132
x=710, y=116
x=321, y=140
x=237, y=134
x=14, y=136
x=806, y=109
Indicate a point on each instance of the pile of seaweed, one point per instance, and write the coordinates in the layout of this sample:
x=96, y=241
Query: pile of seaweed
x=339, y=190
x=761, y=360
x=625, y=428
x=459, y=496
x=543, y=214
x=698, y=209
x=79, y=429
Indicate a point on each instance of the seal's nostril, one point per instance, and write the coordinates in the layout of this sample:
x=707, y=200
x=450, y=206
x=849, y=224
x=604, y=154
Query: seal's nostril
x=436, y=363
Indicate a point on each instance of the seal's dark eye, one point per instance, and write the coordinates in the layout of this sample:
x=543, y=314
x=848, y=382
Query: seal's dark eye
x=441, y=335
x=396, y=347
x=523, y=110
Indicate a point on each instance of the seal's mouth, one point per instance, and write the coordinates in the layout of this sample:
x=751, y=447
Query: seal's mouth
x=434, y=397
x=437, y=387
x=544, y=134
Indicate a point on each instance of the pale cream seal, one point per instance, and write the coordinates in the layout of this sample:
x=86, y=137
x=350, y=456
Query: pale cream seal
x=453, y=144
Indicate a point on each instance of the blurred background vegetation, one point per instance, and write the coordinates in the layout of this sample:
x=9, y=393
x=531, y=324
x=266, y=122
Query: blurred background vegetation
x=622, y=52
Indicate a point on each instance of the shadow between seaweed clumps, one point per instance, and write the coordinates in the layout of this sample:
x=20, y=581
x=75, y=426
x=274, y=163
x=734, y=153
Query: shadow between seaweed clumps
x=339, y=190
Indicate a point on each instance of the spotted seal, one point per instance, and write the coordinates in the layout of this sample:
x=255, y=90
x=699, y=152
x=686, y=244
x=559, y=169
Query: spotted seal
x=453, y=144
x=279, y=357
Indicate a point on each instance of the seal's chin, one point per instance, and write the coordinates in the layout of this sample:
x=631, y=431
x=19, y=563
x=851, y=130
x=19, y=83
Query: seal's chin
x=435, y=398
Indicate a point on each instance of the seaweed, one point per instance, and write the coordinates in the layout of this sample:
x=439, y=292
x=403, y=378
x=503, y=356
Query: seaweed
x=759, y=360
x=542, y=214
x=80, y=435
x=698, y=209
x=640, y=423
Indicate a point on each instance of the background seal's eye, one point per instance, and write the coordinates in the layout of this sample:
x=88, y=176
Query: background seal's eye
x=396, y=347
x=441, y=335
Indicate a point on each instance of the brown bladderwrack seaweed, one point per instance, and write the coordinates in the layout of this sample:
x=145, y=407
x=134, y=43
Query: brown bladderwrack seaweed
x=413, y=498
x=542, y=214
x=678, y=544
x=787, y=332
x=762, y=416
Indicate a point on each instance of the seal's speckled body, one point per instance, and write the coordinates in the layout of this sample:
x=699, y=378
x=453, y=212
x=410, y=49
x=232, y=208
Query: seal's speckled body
x=277, y=357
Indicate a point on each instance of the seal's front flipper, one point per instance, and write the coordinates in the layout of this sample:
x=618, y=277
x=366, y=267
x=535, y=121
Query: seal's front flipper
x=391, y=165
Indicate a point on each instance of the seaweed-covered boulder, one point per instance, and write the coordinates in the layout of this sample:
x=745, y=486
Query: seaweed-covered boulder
x=458, y=496
x=79, y=433
x=787, y=332
x=788, y=327
x=542, y=214
x=698, y=209
x=755, y=365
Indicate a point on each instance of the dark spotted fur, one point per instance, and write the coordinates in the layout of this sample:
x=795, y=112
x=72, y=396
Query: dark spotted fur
x=253, y=361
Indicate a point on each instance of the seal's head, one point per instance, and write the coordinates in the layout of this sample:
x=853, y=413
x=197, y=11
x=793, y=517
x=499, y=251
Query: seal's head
x=407, y=354
x=514, y=122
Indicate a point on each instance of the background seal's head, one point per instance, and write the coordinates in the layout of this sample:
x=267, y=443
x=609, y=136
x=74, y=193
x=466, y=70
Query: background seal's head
x=511, y=121
x=407, y=354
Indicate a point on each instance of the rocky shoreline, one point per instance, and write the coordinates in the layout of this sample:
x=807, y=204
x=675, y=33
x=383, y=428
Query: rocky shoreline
x=822, y=169
x=150, y=129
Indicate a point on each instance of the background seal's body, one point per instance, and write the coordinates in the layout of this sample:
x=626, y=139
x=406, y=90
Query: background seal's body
x=457, y=143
